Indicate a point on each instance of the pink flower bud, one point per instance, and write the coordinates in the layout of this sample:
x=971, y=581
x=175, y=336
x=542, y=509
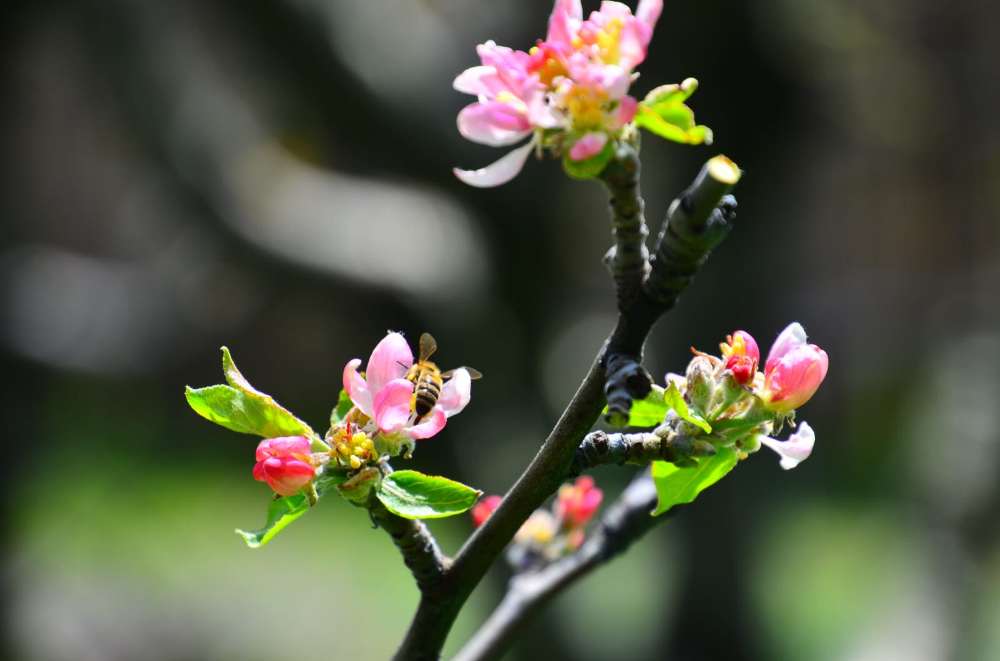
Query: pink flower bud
x=482, y=510
x=576, y=503
x=743, y=356
x=283, y=463
x=793, y=370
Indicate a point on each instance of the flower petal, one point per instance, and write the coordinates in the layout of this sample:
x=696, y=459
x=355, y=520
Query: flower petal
x=649, y=11
x=283, y=446
x=456, y=392
x=565, y=21
x=478, y=80
x=493, y=123
x=793, y=336
x=588, y=146
x=796, y=449
x=499, y=172
x=357, y=388
x=392, y=405
x=429, y=426
x=389, y=361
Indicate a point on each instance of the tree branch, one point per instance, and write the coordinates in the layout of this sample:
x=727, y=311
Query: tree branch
x=600, y=448
x=699, y=228
x=624, y=522
x=420, y=550
x=628, y=259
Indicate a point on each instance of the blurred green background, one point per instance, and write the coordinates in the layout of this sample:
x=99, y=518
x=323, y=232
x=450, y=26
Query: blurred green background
x=274, y=176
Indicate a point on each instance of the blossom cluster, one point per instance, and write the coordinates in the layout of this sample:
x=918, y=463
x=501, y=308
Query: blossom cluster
x=381, y=421
x=744, y=405
x=549, y=534
x=569, y=92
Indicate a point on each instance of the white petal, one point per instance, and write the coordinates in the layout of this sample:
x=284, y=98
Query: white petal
x=499, y=172
x=796, y=449
x=456, y=393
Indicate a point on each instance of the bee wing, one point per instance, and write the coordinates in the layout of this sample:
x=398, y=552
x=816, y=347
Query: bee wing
x=427, y=346
x=473, y=373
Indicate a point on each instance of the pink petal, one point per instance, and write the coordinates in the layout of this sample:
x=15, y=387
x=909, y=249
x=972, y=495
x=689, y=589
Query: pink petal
x=456, y=393
x=565, y=21
x=540, y=114
x=511, y=66
x=283, y=446
x=796, y=449
x=389, y=361
x=625, y=112
x=357, y=388
x=649, y=11
x=612, y=78
x=286, y=476
x=632, y=43
x=478, y=80
x=610, y=10
x=493, y=123
x=588, y=146
x=499, y=172
x=392, y=405
x=793, y=336
x=794, y=379
x=429, y=426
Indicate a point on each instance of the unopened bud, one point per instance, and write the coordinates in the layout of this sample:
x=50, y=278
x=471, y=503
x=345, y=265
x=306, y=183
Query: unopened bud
x=701, y=384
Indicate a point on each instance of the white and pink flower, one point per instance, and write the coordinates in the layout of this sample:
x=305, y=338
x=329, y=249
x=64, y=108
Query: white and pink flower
x=384, y=393
x=284, y=463
x=570, y=90
x=793, y=371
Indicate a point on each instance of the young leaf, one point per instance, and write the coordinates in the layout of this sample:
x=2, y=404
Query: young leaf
x=282, y=511
x=671, y=93
x=647, y=412
x=673, y=399
x=241, y=407
x=682, y=485
x=234, y=409
x=660, y=119
x=344, y=405
x=413, y=495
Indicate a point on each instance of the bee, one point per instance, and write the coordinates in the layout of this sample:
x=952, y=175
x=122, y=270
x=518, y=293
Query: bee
x=428, y=379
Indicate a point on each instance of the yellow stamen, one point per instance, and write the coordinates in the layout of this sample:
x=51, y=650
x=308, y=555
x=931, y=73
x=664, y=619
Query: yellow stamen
x=355, y=462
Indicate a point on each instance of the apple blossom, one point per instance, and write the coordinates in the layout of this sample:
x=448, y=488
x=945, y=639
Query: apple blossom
x=569, y=92
x=384, y=393
x=793, y=370
x=484, y=508
x=742, y=356
x=283, y=463
x=577, y=503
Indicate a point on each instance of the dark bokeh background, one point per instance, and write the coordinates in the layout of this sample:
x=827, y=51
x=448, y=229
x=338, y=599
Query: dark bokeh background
x=274, y=176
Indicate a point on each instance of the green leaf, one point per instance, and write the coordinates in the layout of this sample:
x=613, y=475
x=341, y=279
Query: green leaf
x=344, y=404
x=673, y=122
x=591, y=167
x=647, y=412
x=671, y=93
x=240, y=407
x=673, y=399
x=682, y=485
x=282, y=511
x=413, y=495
